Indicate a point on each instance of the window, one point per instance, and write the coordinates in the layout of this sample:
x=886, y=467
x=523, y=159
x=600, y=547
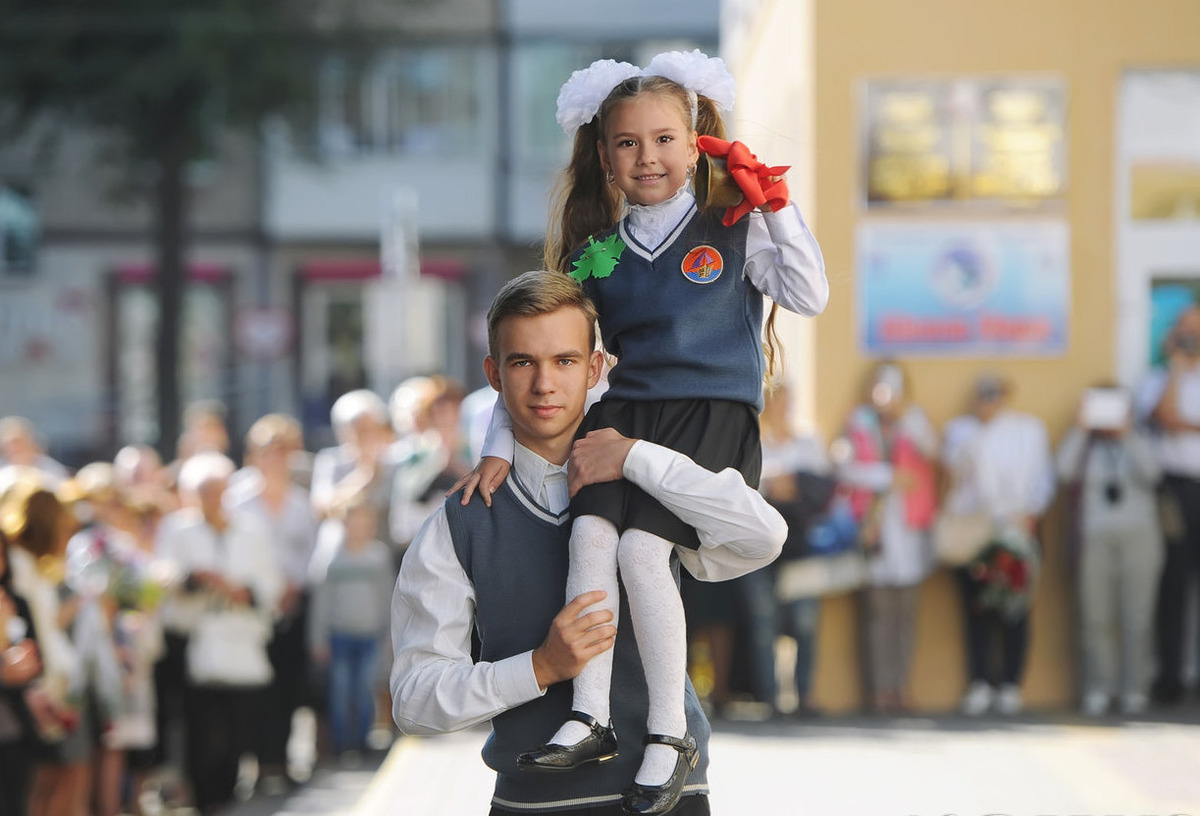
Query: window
x=412, y=100
x=540, y=67
x=18, y=230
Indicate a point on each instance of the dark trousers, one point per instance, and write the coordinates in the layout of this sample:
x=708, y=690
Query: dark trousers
x=14, y=778
x=1180, y=569
x=688, y=806
x=170, y=691
x=288, y=652
x=220, y=727
x=982, y=628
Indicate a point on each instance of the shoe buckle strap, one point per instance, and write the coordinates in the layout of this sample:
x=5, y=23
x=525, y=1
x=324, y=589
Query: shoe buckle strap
x=588, y=720
x=681, y=745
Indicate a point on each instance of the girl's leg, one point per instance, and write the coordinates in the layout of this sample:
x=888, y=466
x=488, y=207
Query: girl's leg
x=340, y=689
x=593, y=551
x=364, y=710
x=658, y=622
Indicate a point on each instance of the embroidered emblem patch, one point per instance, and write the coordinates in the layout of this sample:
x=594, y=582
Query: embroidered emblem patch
x=703, y=264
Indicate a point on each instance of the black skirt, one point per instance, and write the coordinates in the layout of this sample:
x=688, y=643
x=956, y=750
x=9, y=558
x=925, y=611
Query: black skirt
x=715, y=434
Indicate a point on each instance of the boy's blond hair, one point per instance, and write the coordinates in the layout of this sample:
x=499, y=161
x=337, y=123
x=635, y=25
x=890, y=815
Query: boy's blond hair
x=536, y=293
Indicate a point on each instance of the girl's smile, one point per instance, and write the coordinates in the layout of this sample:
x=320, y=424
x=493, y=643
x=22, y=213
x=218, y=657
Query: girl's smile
x=648, y=147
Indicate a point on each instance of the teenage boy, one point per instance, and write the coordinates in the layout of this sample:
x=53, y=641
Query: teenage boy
x=500, y=572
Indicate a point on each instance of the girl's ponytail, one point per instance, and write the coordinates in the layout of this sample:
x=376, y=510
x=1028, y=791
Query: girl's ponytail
x=708, y=118
x=582, y=203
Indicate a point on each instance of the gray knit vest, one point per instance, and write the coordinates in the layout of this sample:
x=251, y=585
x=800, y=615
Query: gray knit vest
x=515, y=555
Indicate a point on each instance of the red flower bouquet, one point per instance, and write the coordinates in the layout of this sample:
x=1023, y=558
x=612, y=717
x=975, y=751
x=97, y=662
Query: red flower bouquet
x=1007, y=568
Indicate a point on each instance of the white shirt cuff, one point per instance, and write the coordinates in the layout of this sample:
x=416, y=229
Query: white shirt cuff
x=646, y=465
x=516, y=681
x=786, y=225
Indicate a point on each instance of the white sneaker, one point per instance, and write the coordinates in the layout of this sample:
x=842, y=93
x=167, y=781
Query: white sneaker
x=978, y=699
x=1009, y=701
x=1095, y=704
x=1134, y=703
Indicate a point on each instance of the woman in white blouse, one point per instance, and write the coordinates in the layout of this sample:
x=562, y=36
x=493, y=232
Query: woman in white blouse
x=998, y=462
x=229, y=570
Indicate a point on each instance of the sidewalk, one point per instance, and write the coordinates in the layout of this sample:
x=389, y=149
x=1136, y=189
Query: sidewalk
x=1032, y=765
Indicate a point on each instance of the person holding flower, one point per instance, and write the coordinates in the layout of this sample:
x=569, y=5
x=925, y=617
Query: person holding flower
x=999, y=464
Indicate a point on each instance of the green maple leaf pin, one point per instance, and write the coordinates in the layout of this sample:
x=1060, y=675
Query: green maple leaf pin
x=599, y=258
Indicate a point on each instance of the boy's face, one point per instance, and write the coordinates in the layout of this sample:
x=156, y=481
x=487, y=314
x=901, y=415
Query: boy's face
x=543, y=369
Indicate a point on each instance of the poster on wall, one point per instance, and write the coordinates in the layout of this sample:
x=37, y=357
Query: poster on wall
x=1169, y=298
x=955, y=288
x=973, y=141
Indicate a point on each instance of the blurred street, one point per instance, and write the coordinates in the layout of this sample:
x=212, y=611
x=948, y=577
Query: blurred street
x=1028, y=766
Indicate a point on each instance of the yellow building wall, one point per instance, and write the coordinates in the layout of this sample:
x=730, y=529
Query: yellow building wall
x=1087, y=43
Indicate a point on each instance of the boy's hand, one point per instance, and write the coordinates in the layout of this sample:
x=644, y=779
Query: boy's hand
x=598, y=457
x=573, y=640
x=488, y=475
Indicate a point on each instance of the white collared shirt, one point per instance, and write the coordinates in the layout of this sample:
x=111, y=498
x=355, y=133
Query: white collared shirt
x=437, y=688
x=242, y=554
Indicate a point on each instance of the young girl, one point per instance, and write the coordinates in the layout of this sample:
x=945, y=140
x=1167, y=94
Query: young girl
x=349, y=620
x=679, y=294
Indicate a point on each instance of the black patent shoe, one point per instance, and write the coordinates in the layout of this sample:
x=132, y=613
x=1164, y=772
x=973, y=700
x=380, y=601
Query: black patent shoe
x=649, y=800
x=598, y=746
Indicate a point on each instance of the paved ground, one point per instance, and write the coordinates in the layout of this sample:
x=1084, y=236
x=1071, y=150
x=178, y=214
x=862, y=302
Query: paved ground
x=1031, y=766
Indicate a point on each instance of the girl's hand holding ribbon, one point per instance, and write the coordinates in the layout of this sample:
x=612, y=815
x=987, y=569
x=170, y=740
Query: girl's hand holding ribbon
x=762, y=186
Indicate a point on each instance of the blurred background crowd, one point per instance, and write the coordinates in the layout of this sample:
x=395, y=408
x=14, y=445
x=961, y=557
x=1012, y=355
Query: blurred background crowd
x=986, y=447
x=178, y=634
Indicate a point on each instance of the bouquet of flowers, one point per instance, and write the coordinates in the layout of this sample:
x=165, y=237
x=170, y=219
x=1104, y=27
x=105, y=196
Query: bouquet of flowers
x=1007, y=567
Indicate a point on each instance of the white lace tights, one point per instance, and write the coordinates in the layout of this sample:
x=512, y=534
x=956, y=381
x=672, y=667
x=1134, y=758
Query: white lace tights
x=656, y=611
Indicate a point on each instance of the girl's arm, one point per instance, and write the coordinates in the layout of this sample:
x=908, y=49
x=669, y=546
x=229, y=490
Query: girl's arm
x=495, y=461
x=784, y=262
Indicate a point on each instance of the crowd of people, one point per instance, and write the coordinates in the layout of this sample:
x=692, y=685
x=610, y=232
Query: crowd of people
x=890, y=500
x=112, y=578
x=159, y=623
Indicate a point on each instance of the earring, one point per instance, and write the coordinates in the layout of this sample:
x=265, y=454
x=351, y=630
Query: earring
x=691, y=171
x=609, y=177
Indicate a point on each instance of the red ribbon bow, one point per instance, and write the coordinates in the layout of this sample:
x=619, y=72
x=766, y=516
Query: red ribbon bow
x=752, y=176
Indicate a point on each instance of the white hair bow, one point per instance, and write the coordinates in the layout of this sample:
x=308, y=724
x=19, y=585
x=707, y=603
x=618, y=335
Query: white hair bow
x=582, y=94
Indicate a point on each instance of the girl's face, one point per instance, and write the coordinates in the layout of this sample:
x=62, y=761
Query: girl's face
x=648, y=147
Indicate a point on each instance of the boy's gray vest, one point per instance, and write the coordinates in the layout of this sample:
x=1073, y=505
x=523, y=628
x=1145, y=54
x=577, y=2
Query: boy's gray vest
x=515, y=554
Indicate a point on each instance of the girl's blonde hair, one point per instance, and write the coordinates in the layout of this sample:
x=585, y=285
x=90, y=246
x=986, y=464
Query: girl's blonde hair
x=583, y=203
